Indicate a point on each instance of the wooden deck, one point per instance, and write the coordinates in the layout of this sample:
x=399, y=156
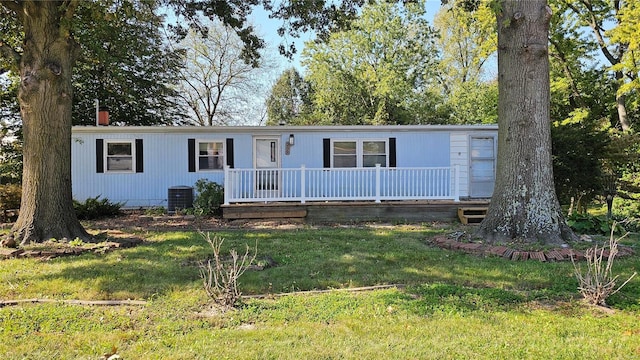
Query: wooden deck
x=346, y=211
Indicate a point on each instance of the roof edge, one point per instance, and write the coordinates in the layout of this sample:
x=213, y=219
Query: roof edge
x=271, y=129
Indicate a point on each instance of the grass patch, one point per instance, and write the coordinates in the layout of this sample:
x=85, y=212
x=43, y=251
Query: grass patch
x=454, y=305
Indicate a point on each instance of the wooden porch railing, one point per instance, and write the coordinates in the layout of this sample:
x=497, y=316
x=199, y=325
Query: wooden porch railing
x=341, y=184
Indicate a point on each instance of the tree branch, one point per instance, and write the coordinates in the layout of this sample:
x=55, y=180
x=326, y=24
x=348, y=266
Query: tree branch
x=560, y=55
x=596, y=27
x=10, y=54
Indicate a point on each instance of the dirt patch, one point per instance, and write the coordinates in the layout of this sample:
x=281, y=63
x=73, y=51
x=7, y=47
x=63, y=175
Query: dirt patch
x=112, y=240
x=135, y=221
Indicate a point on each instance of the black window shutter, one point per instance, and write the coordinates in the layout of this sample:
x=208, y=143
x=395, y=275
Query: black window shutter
x=326, y=153
x=139, y=156
x=392, y=152
x=191, y=143
x=99, y=155
x=230, y=152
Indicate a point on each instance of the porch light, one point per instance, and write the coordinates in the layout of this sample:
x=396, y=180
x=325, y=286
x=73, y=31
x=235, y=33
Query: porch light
x=289, y=144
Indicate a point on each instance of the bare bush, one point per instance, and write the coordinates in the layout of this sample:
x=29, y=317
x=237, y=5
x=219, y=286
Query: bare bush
x=598, y=282
x=220, y=276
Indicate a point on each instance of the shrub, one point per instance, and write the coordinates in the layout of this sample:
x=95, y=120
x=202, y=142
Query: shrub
x=598, y=281
x=220, y=278
x=630, y=210
x=590, y=224
x=10, y=195
x=209, y=197
x=95, y=208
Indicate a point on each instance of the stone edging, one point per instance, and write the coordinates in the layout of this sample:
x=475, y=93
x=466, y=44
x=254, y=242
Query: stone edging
x=559, y=254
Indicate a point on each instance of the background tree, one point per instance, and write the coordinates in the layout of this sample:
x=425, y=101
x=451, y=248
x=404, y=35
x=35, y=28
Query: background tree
x=627, y=33
x=9, y=108
x=10, y=132
x=581, y=116
x=290, y=100
x=473, y=102
x=215, y=83
x=379, y=70
x=598, y=16
x=468, y=43
x=587, y=106
x=125, y=63
x=45, y=58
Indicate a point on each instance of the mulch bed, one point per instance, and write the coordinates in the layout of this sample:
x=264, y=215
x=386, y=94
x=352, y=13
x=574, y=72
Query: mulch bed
x=514, y=254
x=138, y=221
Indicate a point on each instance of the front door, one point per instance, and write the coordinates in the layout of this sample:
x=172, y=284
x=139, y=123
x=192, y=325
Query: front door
x=482, y=166
x=266, y=161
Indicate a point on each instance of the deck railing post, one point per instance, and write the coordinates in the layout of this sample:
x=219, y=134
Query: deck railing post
x=302, y=183
x=227, y=185
x=378, y=183
x=456, y=183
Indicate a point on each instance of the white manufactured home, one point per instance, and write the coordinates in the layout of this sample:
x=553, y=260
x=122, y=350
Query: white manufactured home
x=139, y=166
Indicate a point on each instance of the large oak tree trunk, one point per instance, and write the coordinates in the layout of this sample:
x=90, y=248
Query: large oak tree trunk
x=524, y=206
x=45, y=98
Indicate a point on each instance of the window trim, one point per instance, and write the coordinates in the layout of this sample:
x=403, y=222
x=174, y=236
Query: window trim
x=360, y=151
x=106, y=156
x=223, y=142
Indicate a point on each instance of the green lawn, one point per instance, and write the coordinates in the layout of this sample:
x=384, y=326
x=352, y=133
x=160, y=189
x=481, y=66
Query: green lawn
x=454, y=306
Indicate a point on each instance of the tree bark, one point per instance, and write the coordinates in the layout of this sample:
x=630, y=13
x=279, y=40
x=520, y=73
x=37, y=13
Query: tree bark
x=45, y=98
x=524, y=206
x=621, y=106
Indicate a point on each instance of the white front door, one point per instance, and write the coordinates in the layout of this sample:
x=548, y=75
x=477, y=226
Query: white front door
x=266, y=160
x=482, y=166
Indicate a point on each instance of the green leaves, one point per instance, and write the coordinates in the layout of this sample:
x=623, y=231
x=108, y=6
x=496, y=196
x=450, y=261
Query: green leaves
x=290, y=100
x=590, y=224
x=125, y=63
x=376, y=72
x=467, y=41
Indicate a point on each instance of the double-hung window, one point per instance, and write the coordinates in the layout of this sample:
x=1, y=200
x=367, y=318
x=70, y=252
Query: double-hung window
x=374, y=152
x=210, y=155
x=119, y=156
x=345, y=154
x=359, y=153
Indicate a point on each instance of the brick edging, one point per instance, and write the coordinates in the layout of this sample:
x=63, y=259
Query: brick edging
x=558, y=254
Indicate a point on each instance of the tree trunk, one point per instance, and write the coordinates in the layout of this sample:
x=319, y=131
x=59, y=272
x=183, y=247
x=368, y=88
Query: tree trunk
x=45, y=98
x=524, y=206
x=621, y=105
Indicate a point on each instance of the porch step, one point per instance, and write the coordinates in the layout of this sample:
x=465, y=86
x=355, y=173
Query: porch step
x=264, y=212
x=472, y=215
